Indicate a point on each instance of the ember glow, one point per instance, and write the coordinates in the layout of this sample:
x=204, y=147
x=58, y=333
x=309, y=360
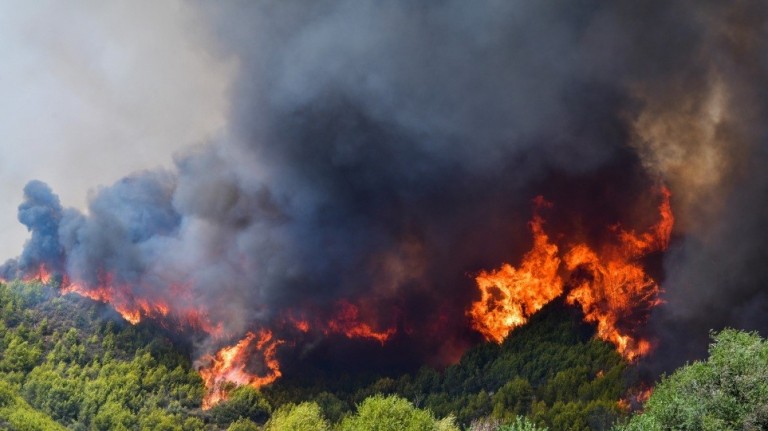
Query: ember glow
x=347, y=321
x=230, y=366
x=609, y=285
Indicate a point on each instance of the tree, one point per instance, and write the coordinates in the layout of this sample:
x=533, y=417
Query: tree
x=728, y=391
x=392, y=413
x=244, y=402
x=19, y=356
x=243, y=424
x=302, y=417
x=521, y=424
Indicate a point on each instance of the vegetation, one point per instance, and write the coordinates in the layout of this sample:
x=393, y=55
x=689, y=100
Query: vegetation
x=379, y=413
x=62, y=361
x=16, y=414
x=302, y=417
x=552, y=371
x=69, y=363
x=729, y=391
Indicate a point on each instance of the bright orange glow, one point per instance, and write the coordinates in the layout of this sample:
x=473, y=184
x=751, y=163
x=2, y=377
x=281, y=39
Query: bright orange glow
x=302, y=325
x=347, y=321
x=229, y=365
x=613, y=289
x=134, y=309
x=41, y=274
x=636, y=398
x=610, y=284
x=509, y=295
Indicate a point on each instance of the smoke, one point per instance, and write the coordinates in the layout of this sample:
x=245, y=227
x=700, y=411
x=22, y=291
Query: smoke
x=93, y=91
x=381, y=153
x=41, y=213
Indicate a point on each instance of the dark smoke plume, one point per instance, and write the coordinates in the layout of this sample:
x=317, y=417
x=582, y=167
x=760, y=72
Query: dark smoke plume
x=382, y=152
x=41, y=213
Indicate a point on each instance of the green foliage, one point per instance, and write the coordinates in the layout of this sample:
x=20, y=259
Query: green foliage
x=243, y=402
x=65, y=362
x=551, y=370
x=331, y=406
x=16, y=414
x=392, y=413
x=243, y=425
x=521, y=424
x=19, y=356
x=303, y=417
x=729, y=391
x=55, y=367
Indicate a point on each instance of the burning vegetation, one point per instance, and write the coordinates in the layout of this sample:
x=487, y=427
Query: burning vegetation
x=610, y=286
x=230, y=366
x=606, y=281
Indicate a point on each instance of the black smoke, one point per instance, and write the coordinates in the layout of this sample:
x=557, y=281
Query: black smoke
x=383, y=152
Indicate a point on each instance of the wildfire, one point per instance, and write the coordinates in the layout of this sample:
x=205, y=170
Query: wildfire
x=636, y=398
x=509, y=295
x=229, y=366
x=347, y=321
x=41, y=274
x=610, y=285
x=134, y=309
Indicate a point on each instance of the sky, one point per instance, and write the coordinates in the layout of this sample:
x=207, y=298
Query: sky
x=92, y=93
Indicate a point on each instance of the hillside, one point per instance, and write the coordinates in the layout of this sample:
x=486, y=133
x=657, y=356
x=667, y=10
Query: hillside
x=73, y=361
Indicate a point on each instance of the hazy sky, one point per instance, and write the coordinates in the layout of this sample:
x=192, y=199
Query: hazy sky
x=93, y=92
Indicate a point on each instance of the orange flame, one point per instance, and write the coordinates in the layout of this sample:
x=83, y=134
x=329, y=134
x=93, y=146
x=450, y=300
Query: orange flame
x=134, y=309
x=229, y=365
x=301, y=325
x=347, y=321
x=509, y=295
x=41, y=274
x=611, y=287
x=636, y=398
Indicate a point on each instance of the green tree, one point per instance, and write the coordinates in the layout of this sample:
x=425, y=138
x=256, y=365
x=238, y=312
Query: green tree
x=243, y=424
x=303, y=417
x=521, y=424
x=392, y=413
x=729, y=391
x=244, y=402
x=158, y=420
x=113, y=416
x=19, y=356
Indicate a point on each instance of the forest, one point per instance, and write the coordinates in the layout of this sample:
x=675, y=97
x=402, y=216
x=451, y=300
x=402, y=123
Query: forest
x=71, y=363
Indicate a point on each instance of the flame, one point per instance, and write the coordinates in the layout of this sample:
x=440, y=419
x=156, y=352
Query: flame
x=613, y=289
x=347, y=321
x=134, y=309
x=636, y=398
x=229, y=365
x=610, y=285
x=41, y=274
x=509, y=295
x=301, y=325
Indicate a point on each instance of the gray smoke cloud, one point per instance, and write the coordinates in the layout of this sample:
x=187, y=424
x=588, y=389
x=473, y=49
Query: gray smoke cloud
x=382, y=152
x=93, y=91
